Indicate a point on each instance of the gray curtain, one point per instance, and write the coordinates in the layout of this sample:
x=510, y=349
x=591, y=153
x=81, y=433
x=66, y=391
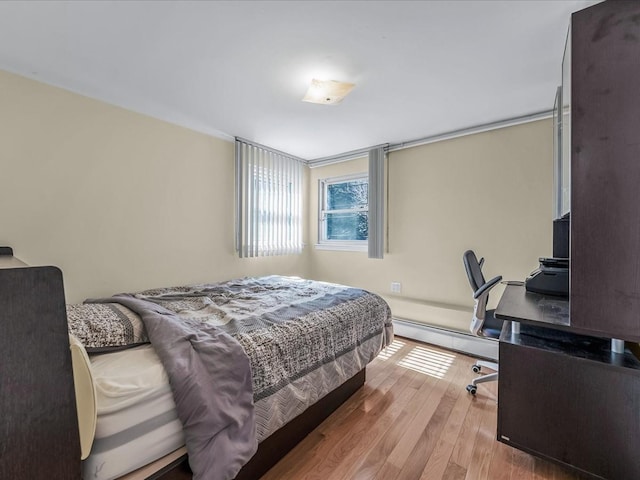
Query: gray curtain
x=377, y=158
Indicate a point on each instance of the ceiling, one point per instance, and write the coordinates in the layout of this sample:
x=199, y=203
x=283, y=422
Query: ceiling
x=241, y=68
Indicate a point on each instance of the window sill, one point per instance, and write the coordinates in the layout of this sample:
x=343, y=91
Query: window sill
x=342, y=247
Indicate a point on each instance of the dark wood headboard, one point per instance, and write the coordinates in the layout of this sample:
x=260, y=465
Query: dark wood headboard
x=38, y=421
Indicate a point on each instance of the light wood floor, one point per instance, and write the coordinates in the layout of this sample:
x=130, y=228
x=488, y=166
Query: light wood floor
x=414, y=420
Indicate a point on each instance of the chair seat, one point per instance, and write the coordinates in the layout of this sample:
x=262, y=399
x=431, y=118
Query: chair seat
x=492, y=326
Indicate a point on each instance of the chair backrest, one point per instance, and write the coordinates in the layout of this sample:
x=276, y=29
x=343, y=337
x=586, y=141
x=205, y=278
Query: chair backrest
x=474, y=270
x=476, y=280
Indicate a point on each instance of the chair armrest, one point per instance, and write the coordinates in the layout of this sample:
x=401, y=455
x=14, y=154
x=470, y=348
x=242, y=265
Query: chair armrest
x=487, y=286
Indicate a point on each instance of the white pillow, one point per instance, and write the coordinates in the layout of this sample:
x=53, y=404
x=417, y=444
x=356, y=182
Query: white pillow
x=86, y=400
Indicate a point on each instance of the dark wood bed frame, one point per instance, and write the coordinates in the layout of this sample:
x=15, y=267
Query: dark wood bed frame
x=38, y=421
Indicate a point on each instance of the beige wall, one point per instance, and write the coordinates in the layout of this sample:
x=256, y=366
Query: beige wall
x=490, y=192
x=122, y=202
x=119, y=201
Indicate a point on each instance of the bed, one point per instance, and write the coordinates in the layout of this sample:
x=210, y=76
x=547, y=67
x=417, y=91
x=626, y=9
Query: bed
x=290, y=395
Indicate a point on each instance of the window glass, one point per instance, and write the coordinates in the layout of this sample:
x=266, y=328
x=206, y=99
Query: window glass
x=345, y=195
x=344, y=206
x=347, y=226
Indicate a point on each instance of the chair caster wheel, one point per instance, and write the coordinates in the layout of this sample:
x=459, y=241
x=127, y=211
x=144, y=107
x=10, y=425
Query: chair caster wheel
x=476, y=368
x=472, y=389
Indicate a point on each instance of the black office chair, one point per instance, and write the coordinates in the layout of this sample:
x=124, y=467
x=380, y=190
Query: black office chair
x=484, y=323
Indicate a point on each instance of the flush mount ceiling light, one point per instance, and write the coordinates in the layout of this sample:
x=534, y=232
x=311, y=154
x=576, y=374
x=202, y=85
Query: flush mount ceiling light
x=327, y=92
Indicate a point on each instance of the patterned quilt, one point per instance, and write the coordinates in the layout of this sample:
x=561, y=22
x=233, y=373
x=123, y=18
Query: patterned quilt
x=287, y=326
x=302, y=339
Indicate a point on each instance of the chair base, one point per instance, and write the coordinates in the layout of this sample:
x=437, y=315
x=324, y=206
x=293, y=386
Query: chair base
x=484, y=363
x=472, y=388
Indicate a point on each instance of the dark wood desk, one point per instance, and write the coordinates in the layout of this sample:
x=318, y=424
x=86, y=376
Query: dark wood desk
x=518, y=305
x=564, y=396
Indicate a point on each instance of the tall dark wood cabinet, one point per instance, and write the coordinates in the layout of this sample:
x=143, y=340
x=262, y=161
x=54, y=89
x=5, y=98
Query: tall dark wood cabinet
x=605, y=170
x=566, y=392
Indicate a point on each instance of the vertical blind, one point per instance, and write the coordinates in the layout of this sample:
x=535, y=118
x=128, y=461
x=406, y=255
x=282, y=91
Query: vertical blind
x=376, y=202
x=268, y=201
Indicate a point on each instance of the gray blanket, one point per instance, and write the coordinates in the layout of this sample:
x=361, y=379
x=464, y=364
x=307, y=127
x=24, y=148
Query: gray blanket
x=215, y=405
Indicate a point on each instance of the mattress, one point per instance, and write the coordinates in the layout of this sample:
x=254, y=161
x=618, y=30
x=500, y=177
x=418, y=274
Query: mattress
x=137, y=421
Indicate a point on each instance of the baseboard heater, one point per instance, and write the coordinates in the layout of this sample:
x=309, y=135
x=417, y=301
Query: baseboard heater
x=450, y=339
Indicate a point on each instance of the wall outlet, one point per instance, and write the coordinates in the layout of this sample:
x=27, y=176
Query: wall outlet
x=396, y=287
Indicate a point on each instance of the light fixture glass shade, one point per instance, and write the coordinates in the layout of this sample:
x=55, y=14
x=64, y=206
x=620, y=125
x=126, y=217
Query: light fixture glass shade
x=327, y=92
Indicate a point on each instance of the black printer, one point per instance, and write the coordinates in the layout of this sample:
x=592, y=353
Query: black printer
x=550, y=278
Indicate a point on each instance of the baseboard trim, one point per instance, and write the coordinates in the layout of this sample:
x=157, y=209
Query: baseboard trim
x=452, y=340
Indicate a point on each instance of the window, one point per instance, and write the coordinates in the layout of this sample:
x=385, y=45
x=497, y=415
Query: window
x=268, y=201
x=344, y=213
